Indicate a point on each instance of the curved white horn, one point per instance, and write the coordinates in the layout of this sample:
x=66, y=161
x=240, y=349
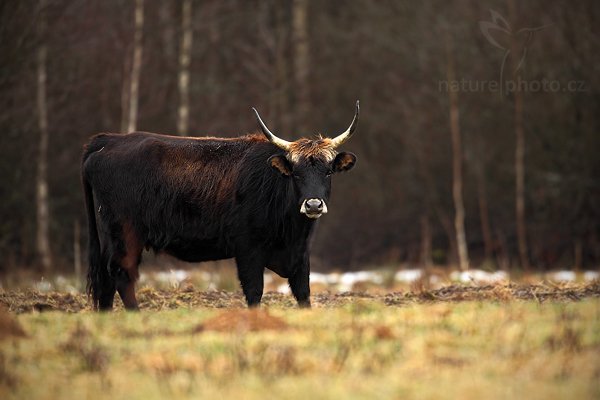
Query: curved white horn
x=283, y=144
x=337, y=141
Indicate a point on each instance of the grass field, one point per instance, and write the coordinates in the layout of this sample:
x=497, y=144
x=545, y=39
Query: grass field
x=505, y=341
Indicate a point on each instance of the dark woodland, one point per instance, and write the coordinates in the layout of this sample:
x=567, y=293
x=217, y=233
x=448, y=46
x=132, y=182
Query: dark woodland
x=478, y=142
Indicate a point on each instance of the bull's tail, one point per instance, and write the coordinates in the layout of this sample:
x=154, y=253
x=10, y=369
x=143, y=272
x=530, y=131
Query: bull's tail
x=96, y=267
x=98, y=278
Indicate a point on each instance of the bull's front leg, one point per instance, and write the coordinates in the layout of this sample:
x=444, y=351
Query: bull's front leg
x=251, y=274
x=299, y=282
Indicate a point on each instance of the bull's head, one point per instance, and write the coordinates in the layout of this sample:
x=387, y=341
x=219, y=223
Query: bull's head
x=310, y=163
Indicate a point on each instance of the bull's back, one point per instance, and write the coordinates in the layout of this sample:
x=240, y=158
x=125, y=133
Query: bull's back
x=174, y=190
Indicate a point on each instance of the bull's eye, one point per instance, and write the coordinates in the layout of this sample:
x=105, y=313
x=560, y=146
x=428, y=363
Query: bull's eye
x=329, y=173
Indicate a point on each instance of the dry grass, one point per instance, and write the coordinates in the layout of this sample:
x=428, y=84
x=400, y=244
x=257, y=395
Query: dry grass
x=9, y=326
x=154, y=299
x=504, y=341
x=242, y=321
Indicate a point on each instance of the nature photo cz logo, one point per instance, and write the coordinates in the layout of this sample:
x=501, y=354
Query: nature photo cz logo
x=515, y=44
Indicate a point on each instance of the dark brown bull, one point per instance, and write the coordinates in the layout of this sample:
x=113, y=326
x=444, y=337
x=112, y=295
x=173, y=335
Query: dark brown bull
x=255, y=198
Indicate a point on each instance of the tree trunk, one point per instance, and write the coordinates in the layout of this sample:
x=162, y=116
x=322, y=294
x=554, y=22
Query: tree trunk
x=519, y=153
x=77, y=253
x=503, y=254
x=484, y=217
x=301, y=62
x=136, y=66
x=125, y=93
x=578, y=255
x=211, y=59
x=43, y=215
x=281, y=98
x=426, y=259
x=168, y=34
x=449, y=231
x=520, y=180
x=459, y=216
x=433, y=200
x=185, y=55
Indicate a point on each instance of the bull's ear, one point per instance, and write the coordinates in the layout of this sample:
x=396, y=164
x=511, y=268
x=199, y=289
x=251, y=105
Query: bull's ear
x=344, y=162
x=281, y=164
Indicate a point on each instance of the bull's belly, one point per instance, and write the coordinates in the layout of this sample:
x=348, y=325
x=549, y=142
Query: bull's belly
x=283, y=263
x=198, y=251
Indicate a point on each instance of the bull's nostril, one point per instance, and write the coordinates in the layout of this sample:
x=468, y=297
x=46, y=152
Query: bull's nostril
x=314, y=205
x=313, y=208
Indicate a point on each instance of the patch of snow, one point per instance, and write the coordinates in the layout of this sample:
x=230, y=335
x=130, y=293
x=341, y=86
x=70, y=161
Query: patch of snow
x=43, y=285
x=267, y=278
x=61, y=281
x=143, y=278
x=408, y=275
x=64, y=284
x=562, y=276
x=348, y=279
x=284, y=288
x=587, y=276
x=179, y=275
x=501, y=276
x=174, y=277
x=479, y=276
x=71, y=289
x=326, y=279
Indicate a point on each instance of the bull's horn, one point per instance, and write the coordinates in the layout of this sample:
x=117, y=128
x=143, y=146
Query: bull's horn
x=346, y=135
x=283, y=144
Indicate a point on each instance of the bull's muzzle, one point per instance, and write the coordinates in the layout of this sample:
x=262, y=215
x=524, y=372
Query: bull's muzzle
x=313, y=208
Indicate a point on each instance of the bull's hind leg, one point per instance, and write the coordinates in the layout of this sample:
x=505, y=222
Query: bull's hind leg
x=125, y=264
x=126, y=288
x=106, y=291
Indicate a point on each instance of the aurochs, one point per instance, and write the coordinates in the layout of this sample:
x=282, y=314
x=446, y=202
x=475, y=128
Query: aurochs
x=255, y=198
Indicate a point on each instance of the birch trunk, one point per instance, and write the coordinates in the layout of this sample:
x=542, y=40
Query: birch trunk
x=125, y=89
x=281, y=98
x=519, y=154
x=301, y=61
x=459, y=216
x=520, y=181
x=43, y=215
x=185, y=55
x=136, y=67
x=484, y=216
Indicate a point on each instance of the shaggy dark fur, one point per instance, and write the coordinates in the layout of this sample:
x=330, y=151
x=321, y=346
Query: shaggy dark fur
x=199, y=200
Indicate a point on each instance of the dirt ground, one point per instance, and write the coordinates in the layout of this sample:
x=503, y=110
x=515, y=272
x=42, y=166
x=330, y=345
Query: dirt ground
x=24, y=301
